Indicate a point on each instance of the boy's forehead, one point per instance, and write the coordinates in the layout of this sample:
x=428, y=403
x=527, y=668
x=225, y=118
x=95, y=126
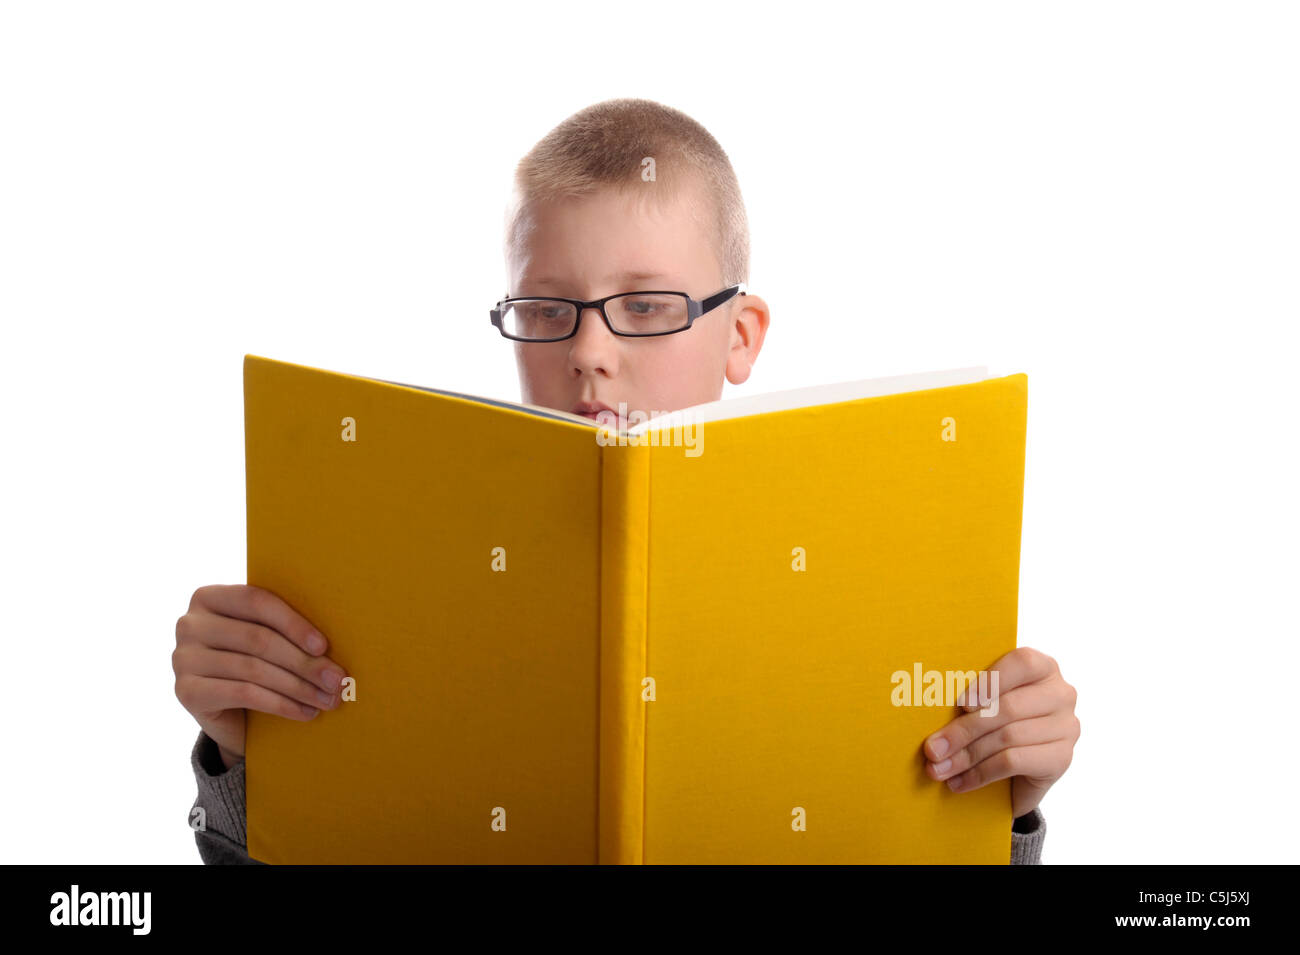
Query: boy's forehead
x=611, y=239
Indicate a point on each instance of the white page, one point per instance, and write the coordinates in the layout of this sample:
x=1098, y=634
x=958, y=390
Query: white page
x=724, y=409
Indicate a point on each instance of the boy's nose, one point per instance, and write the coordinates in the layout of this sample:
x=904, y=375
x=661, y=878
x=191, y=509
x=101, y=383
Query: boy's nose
x=593, y=346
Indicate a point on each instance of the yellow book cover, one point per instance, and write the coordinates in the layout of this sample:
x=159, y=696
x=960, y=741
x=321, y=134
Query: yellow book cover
x=711, y=637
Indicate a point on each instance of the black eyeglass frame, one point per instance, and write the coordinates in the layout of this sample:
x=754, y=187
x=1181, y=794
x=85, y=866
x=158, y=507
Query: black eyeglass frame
x=694, y=309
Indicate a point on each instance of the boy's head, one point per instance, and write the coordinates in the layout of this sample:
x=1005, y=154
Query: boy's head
x=624, y=196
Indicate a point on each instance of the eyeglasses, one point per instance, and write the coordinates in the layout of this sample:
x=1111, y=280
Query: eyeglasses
x=629, y=314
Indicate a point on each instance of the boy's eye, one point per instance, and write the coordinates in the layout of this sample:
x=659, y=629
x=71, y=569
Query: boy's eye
x=642, y=306
x=546, y=312
x=648, y=313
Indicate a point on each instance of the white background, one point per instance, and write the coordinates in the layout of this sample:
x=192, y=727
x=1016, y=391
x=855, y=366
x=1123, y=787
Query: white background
x=1101, y=195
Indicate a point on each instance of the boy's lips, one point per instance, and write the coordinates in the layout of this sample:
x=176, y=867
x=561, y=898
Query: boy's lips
x=590, y=409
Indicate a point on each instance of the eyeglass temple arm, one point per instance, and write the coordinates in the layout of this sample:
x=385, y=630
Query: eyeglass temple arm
x=715, y=300
x=497, y=311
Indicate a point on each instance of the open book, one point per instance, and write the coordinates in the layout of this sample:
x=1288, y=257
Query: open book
x=722, y=635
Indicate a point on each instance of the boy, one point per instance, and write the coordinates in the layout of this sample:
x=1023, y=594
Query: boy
x=624, y=196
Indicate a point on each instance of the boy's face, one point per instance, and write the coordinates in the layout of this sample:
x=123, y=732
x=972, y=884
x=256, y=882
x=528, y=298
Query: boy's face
x=605, y=244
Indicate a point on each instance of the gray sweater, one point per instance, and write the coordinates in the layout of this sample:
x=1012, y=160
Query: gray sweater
x=223, y=841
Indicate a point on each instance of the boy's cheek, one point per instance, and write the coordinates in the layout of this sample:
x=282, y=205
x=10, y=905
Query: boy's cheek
x=538, y=380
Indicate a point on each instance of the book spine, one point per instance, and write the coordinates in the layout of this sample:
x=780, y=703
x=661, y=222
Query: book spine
x=625, y=516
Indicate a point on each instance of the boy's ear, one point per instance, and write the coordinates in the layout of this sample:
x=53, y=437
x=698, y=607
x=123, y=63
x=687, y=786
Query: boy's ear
x=748, y=329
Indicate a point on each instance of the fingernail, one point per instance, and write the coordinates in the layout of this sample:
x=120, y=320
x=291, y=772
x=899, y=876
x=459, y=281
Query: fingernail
x=315, y=643
x=308, y=711
x=332, y=678
x=326, y=699
x=955, y=783
x=943, y=767
x=939, y=745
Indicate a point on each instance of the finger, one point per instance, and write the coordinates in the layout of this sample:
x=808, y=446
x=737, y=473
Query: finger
x=205, y=694
x=200, y=629
x=1042, y=729
x=259, y=605
x=1023, y=703
x=226, y=665
x=1019, y=667
x=1042, y=760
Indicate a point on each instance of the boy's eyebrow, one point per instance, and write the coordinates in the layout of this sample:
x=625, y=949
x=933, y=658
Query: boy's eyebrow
x=631, y=275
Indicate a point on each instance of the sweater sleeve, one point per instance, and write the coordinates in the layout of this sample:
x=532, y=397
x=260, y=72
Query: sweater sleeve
x=1027, y=833
x=222, y=840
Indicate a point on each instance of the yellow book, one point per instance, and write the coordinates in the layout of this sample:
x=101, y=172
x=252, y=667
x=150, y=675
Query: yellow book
x=709, y=638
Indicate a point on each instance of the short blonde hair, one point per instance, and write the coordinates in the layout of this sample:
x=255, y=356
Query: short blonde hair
x=604, y=145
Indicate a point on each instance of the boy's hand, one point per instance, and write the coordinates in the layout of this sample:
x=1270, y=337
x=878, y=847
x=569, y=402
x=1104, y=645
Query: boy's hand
x=243, y=648
x=1031, y=738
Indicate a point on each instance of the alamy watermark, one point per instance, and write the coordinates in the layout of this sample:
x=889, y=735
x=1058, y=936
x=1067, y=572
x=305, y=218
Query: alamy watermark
x=680, y=429
x=923, y=687
x=102, y=908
